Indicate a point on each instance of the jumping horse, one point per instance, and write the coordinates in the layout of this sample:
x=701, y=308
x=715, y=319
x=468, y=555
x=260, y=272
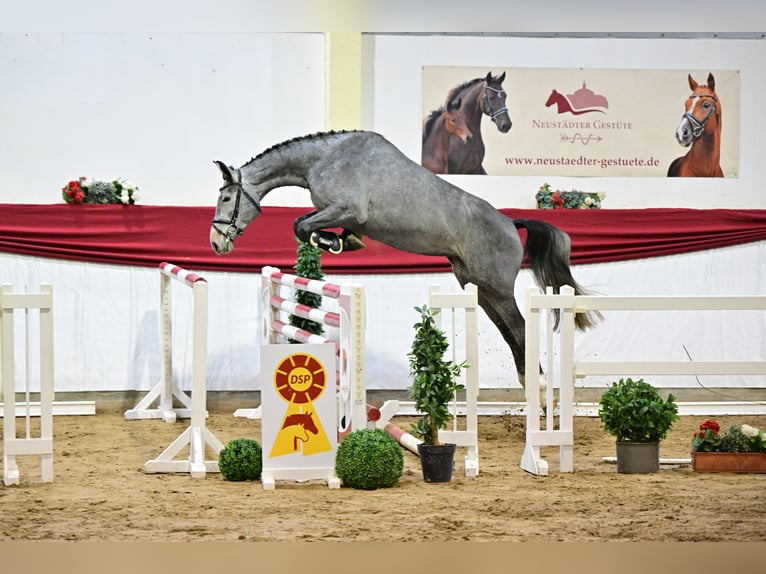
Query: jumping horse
x=700, y=128
x=479, y=97
x=361, y=183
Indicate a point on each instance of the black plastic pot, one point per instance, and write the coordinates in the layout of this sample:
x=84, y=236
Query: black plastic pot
x=437, y=461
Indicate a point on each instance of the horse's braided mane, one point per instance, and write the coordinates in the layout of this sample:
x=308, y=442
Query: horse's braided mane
x=316, y=135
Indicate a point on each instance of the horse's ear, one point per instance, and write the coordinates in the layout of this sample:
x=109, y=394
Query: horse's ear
x=225, y=171
x=711, y=81
x=500, y=78
x=693, y=84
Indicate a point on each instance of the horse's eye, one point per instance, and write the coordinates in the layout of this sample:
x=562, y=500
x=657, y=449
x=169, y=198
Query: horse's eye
x=225, y=199
x=706, y=105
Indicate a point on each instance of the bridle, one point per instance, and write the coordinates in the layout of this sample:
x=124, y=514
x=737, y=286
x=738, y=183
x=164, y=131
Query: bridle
x=231, y=230
x=487, y=107
x=699, y=126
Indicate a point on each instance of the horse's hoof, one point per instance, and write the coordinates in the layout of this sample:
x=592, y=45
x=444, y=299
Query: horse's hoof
x=351, y=242
x=327, y=240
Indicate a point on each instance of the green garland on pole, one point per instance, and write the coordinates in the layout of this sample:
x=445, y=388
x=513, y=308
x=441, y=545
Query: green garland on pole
x=308, y=264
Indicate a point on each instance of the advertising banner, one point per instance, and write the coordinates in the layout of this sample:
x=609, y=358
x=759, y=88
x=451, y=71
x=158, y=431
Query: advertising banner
x=581, y=122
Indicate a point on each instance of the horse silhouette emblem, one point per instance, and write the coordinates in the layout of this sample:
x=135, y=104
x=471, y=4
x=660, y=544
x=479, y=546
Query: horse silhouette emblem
x=583, y=101
x=300, y=424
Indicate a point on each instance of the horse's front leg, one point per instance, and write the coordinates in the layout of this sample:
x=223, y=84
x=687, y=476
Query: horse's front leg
x=311, y=228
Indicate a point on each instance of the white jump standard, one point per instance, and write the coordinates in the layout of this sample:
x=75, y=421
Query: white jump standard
x=349, y=321
x=348, y=409
x=196, y=436
x=468, y=302
x=14, y=445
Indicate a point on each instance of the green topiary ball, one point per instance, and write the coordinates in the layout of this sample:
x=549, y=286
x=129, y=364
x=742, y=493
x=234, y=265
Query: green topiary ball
x=368, y=459
x=241, y=459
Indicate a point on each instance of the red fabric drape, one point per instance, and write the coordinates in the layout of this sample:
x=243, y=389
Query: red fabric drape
x=147, y=235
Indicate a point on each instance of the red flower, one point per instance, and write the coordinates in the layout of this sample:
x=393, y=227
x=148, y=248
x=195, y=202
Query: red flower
x=72, y=192
x=713, y=426
x=556, y=200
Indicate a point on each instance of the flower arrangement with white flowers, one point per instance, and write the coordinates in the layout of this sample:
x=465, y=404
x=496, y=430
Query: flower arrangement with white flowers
x=548, y=199
x=739, y=438
x=103, y=192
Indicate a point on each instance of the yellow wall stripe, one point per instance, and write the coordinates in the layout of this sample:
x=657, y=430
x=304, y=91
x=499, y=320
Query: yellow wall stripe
x=343, y=80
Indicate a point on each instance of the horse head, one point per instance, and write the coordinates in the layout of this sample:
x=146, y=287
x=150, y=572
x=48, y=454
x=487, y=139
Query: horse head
x=309, y=424
x=455, y=121
x=232, y=215
x=493, y=102
x=553, y=98
x=702, y=112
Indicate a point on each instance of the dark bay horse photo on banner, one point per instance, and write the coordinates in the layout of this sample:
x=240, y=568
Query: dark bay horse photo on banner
x=452, y=140
x=361, y=183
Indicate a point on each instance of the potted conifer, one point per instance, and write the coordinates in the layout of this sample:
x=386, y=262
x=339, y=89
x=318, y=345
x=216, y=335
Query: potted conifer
x=635, y=414
x=434, y=383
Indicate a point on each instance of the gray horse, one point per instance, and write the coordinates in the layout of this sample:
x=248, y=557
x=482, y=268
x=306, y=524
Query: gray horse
x=359, y=182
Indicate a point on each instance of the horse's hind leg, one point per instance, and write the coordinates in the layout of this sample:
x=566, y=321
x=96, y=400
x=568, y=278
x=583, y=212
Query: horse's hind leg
x=509, y=321
x=504, y=312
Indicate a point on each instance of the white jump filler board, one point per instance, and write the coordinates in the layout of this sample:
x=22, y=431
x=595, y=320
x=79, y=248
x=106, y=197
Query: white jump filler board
x=299, y=413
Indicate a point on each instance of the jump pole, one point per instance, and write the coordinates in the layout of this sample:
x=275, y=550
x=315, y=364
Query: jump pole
x=196, y=436
x=13, y=445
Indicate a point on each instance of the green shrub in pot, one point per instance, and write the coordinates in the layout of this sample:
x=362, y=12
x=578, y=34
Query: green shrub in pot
x=634, y=411
x=637, y=416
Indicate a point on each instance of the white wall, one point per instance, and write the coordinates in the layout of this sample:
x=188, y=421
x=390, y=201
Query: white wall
x=394, y=107
x=155, y=109
x=158, y=108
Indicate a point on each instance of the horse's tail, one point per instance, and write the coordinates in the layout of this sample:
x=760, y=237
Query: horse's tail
x=547, y=249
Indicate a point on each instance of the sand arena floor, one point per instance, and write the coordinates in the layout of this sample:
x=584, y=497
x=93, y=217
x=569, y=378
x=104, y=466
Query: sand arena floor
x=101, y=493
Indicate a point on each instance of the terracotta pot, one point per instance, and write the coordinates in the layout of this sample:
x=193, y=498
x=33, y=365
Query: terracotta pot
x=729, y=461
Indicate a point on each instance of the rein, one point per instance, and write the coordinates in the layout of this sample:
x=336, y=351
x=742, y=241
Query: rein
x=699, y=126
x=232, y=231
x=488, y=107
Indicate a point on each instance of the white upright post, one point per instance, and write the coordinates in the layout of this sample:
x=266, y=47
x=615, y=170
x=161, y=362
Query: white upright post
x=469, y=438
x=352, y=303
x=166, y=391
x=13, y=446
x=566, y=385
x=197, y=435
x=530, y=460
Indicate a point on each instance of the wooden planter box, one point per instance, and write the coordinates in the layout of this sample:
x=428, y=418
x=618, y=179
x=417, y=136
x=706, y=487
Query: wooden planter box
x=729, y=461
